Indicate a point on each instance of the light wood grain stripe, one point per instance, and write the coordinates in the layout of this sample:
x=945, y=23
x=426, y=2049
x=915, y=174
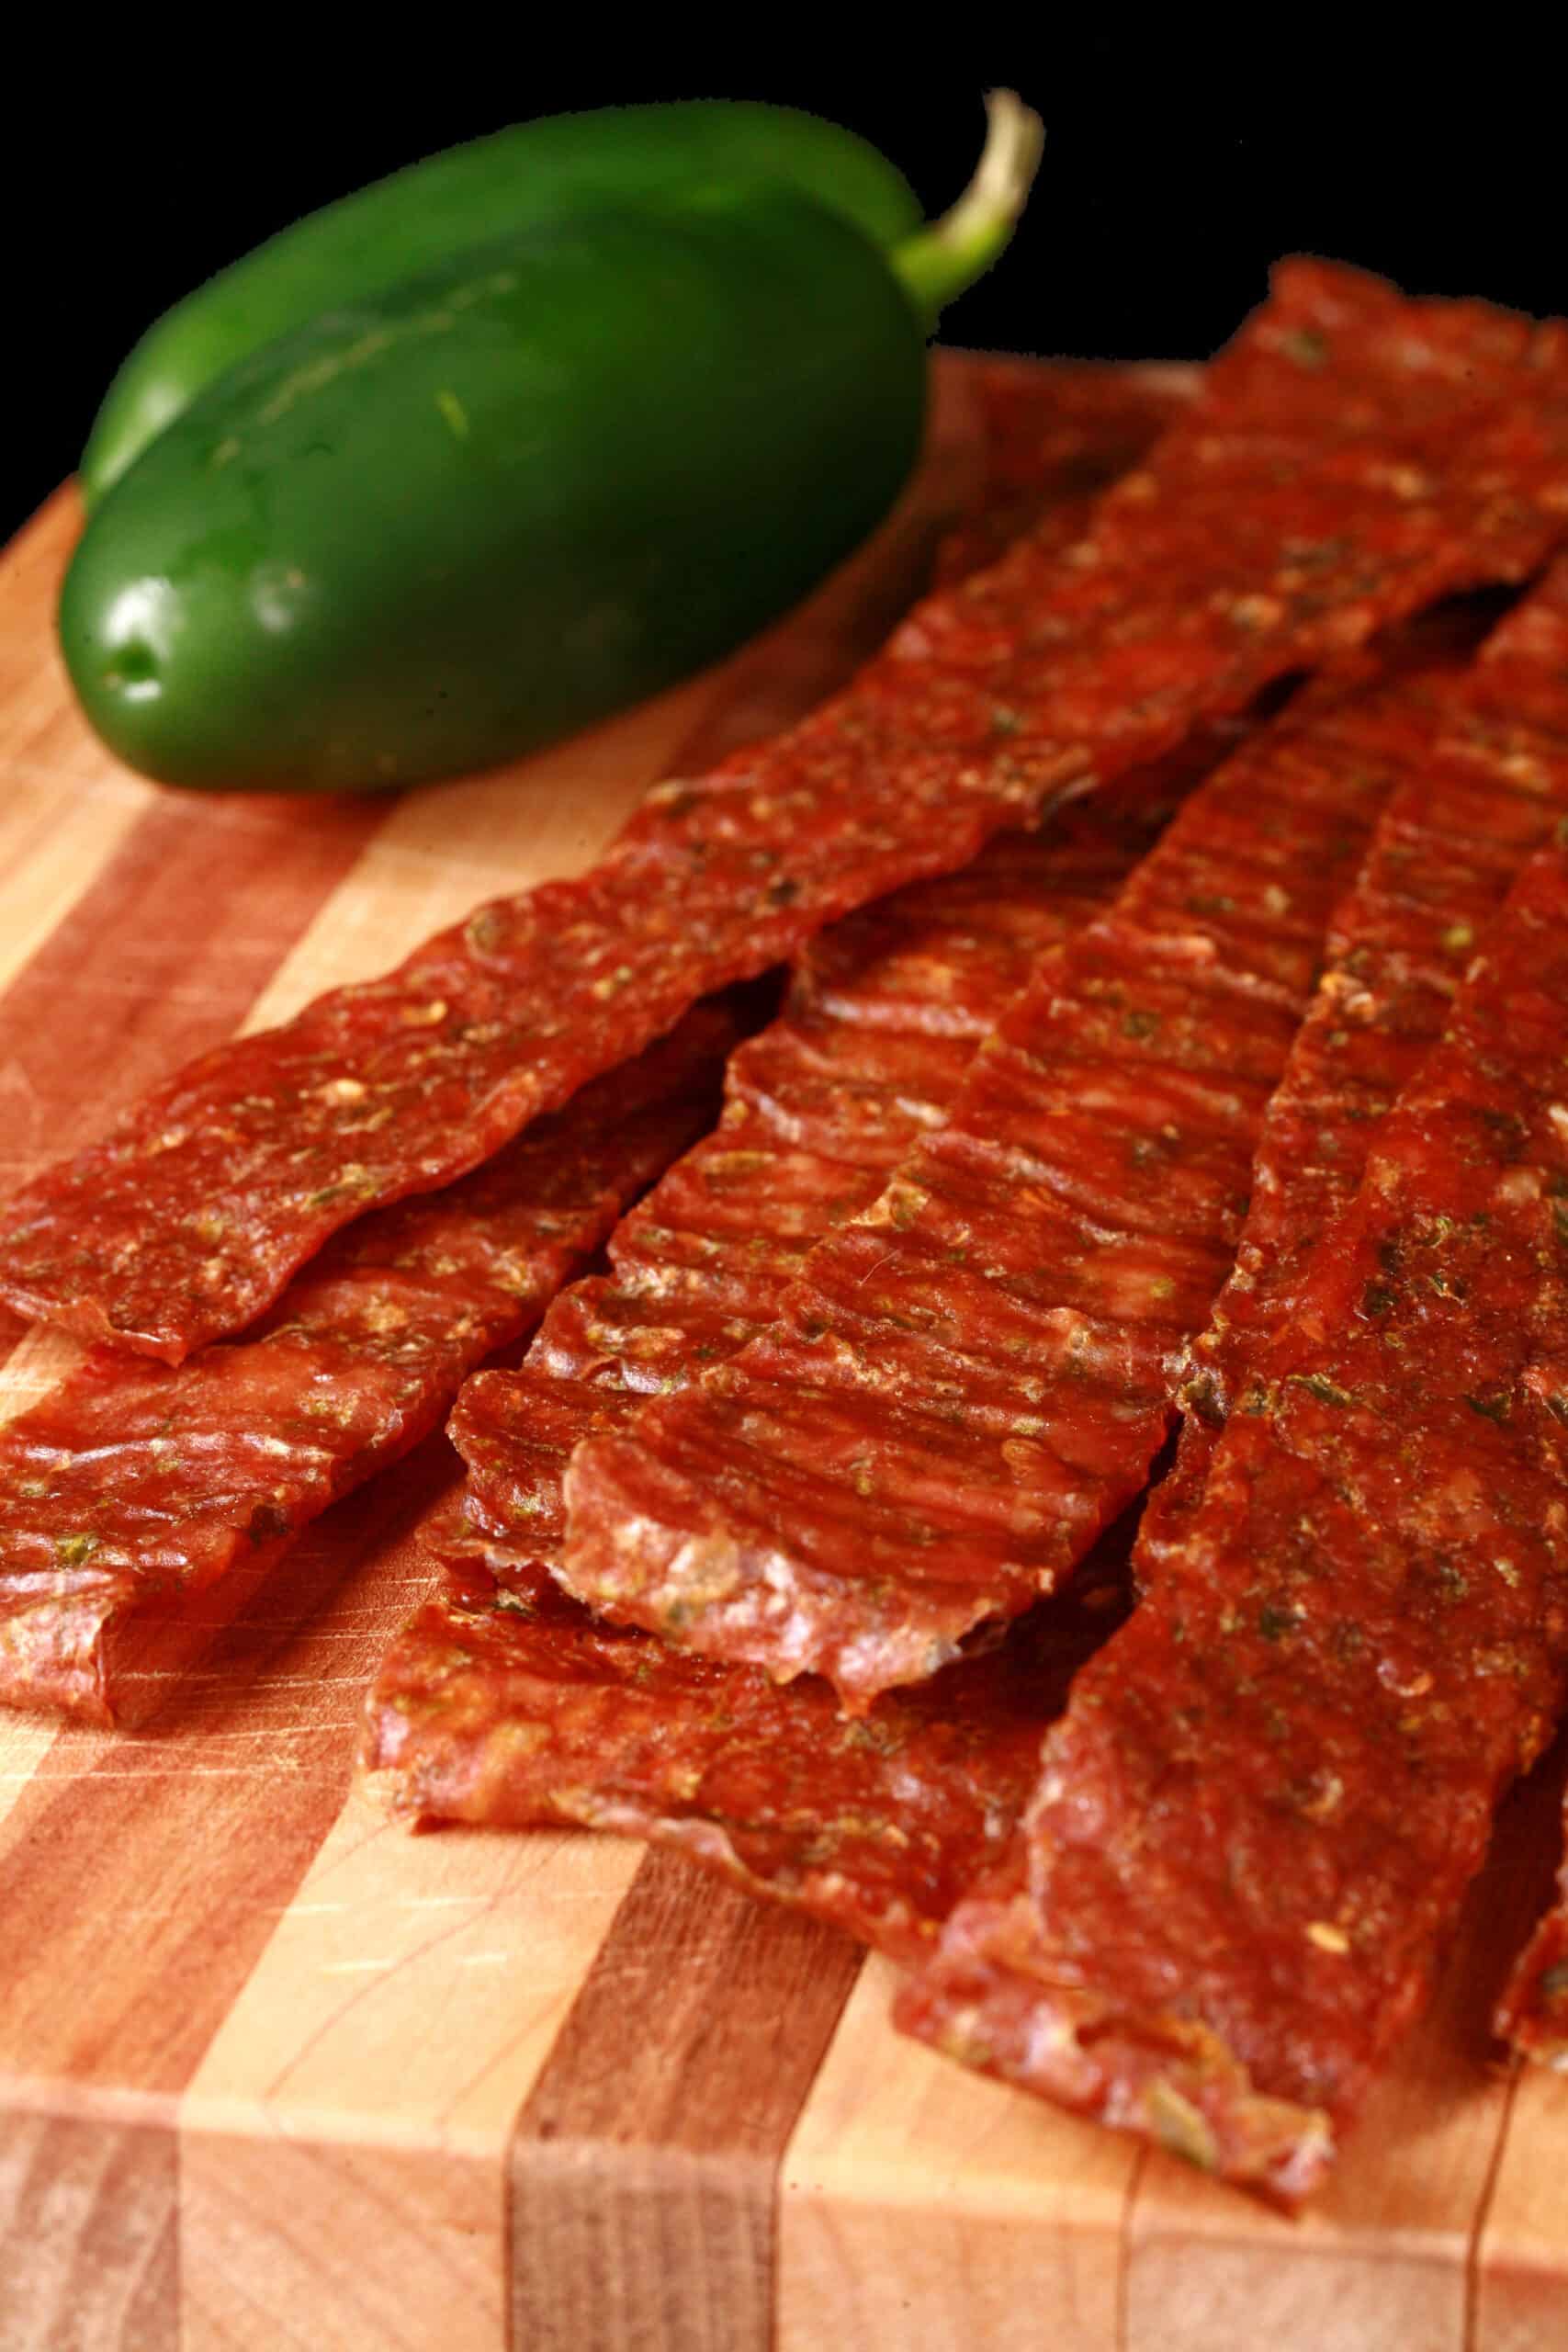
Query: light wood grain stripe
x=924, y=2207
x=361, y=2084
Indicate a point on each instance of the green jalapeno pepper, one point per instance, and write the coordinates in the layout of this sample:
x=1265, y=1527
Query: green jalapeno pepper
x=404, y=226
x=497, y=502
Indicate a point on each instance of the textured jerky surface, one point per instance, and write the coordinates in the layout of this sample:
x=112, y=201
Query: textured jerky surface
x=134, y=1487
x=969, y=1382
x=1485, y=761
x=1351, y=455
x=882, y=1021
x=1256, y=1823
x=504, y=1702
x=1054, y=439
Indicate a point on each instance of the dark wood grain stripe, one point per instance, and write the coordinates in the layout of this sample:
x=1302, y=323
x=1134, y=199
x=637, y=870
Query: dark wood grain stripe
x=644, y=2172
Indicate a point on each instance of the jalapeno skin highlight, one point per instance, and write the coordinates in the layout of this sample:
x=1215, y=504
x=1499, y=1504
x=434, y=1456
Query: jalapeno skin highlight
x=500, y=501
x=354, y=251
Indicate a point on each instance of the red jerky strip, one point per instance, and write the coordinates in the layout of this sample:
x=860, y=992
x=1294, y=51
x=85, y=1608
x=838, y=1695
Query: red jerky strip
x=134, y=1487
x=969, y=1384
x=1485, y=761
x=1256, y=1823
x=504, y=1702
x=1352, y=456
x=501, y=1699
x=882, y=1021
x=1055, y=438
x=1533, y=2012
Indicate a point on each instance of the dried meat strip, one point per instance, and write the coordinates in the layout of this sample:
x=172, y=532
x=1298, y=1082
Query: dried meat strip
x=970, y=1382
x=134, y=1487
x=1533, y=2012
x=1351, y=457
x=1486, y=758
x=1257, y=1819
x=882, y=1021
x=1447, y=847
x=1055, y=438
x=505, y=1703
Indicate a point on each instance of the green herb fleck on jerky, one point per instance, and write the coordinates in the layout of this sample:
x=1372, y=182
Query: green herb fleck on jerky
x=1491, y=1409
x=1306, y=347
x=1318, y=1384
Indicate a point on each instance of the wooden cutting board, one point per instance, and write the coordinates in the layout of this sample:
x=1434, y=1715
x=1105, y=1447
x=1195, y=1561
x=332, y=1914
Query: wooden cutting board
x=274, y=2072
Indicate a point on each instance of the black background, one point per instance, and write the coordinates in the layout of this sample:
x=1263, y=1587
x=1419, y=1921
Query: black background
x=1184, y=153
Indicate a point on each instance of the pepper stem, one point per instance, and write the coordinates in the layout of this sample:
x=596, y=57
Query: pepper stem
x=939, y=260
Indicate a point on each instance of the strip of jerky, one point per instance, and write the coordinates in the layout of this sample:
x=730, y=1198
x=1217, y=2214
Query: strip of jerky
x=1055, y=438
x=1441, y=859
x=134, y=1490
x=969, y=1382
x=1257, y=1821
x=881, y=1023
x=1533, y=2012
x=504, y=1702
x=1351, y=457
x=1486, y=758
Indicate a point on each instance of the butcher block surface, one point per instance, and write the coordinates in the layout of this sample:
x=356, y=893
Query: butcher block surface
x=273, y=2072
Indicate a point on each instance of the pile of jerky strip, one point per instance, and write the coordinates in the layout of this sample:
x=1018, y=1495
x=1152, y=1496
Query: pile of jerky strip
x=1171, y=1077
